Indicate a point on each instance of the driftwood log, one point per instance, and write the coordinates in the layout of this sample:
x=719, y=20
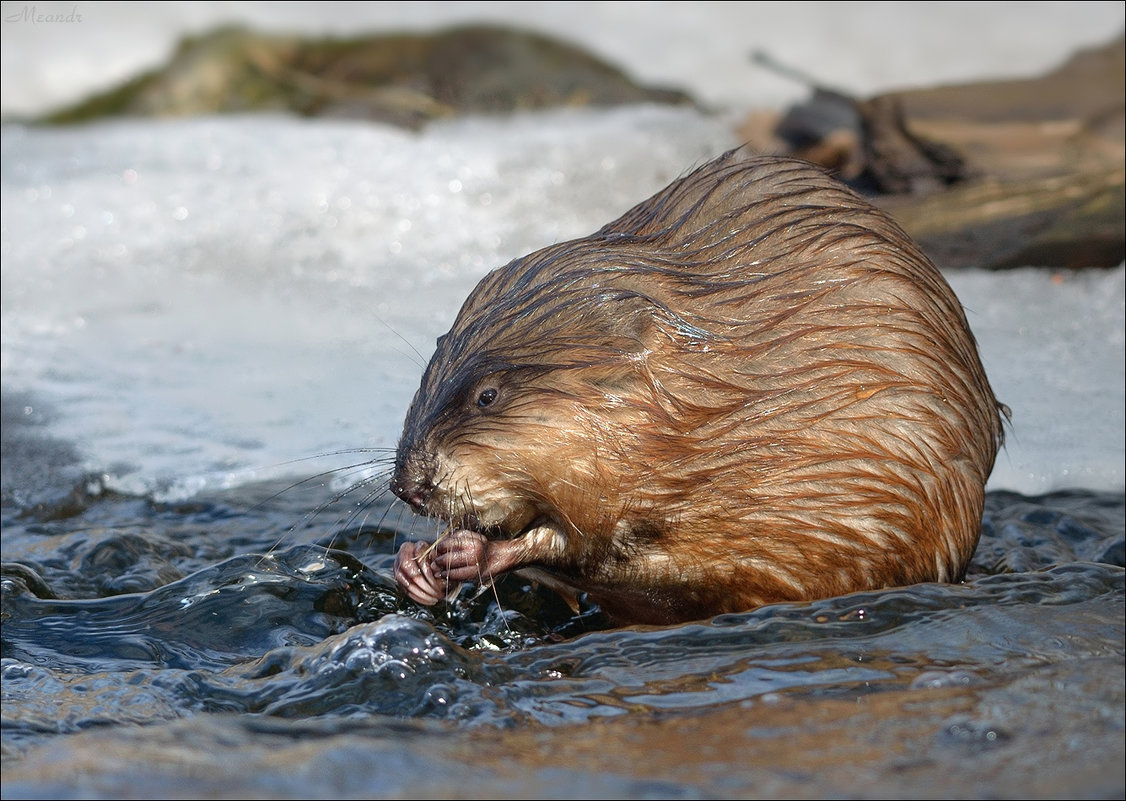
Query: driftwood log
x=995, y=174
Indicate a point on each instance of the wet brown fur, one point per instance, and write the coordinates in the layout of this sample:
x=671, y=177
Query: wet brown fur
x=752, y=387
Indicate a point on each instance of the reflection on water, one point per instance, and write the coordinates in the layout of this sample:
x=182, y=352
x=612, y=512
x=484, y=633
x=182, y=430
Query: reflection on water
x=154, y=650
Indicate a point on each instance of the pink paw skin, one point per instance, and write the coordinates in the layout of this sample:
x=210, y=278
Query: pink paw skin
x=429, y=573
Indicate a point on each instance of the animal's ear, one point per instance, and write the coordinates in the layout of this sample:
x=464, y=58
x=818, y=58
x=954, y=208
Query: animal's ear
x=633, y=319
x=625, y=321
x=642, y=323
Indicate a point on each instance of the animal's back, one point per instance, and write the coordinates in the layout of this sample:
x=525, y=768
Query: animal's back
x=772, y=394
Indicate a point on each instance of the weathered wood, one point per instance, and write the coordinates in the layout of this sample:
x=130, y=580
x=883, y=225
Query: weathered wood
x=995, y=174
x=1069, y=220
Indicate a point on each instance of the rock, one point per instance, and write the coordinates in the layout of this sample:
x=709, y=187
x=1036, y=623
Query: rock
x=403, y=79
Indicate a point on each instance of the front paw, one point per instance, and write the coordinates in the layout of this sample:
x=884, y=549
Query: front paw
x=461, y=556
x=415, y=575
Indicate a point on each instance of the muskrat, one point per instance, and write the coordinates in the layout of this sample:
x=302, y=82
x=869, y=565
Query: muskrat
x=752, y=387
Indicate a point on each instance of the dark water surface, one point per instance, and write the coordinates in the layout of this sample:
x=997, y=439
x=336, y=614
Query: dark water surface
x=209, y=648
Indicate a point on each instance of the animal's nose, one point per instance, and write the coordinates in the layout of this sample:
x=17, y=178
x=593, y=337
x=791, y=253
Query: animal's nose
x=416, y=493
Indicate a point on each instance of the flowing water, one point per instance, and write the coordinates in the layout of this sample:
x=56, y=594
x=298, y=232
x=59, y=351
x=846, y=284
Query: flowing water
x=212, y=647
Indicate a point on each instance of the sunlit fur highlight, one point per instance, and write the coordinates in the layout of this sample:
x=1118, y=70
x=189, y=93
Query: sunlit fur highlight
x=752, y=387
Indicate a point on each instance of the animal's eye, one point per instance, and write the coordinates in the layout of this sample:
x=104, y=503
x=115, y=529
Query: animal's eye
x=486, y=397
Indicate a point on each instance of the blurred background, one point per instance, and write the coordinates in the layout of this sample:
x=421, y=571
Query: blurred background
x=701, y=47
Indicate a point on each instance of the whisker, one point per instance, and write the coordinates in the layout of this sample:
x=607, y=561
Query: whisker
x=335, y=498
x=491, y=583
x=421, y=360
x=324, y=473
x=378, y=490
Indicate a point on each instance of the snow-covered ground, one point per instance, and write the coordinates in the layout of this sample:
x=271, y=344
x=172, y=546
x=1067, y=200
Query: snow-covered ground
x=199, y=302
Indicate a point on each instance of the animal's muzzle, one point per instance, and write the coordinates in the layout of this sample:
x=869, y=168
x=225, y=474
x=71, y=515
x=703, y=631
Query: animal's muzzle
x=415, y=493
